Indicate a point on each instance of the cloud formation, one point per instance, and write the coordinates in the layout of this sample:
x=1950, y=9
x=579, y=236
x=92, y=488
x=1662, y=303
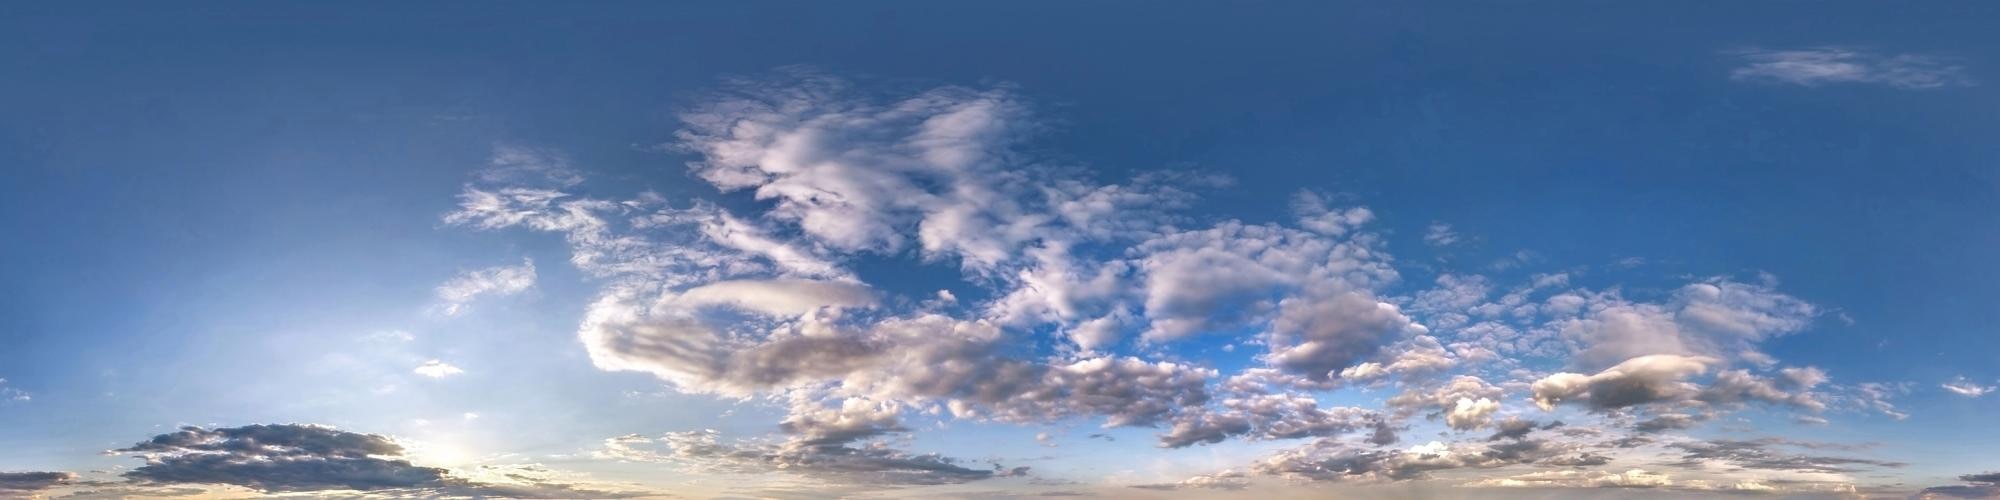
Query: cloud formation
x=1081, y=299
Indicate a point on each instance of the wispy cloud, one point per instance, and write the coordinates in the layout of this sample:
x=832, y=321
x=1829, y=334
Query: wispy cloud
x=455, y=295
x=1967, y=388
x=1812, y=67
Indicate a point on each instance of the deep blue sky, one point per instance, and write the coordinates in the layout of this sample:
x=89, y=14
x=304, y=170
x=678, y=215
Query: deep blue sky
x=192, y=193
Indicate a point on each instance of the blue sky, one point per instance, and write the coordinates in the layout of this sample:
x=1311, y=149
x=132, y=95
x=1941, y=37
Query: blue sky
x=1189, y=250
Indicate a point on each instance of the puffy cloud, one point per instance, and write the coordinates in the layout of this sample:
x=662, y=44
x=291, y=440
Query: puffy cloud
x=1715, y=318
x=1812, y=67
x=283, y=457
x=1637, y=381
x=1268, y=416
x=1074, y=296
x=454, y=295
x=1739, y=386
x=1319, y=335
x=1466, y=402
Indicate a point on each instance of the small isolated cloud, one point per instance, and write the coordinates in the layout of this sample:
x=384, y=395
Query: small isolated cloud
x=8, y=394
x=1440, y=234
x=1967, y=388
x=282, y=457
x=455, y=295
x=1813, y=67
x=437, y=369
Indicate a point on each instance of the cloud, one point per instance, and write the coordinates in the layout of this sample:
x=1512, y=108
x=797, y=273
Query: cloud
x=1440, y=234
x=1763, y=455
x=828, y=457
x=456, y=294
x=1225, y=480
x=1097, y=300
x=283, y=457
x=29, y=482
x=437, y=369
x=1985, y=485
x=290, y=458
x=1967, y=388
x=11, y=394
x=1812, y=67
x=1641, y=380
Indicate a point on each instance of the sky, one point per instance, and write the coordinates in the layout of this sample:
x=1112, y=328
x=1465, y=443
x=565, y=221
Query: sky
x=999, y=250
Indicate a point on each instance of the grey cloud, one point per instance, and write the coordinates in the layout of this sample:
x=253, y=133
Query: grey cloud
x=1638, y=381
x=33, y=481
x=1760, y=454
x=283, y=457
x=839, y=462
x=1666, y=422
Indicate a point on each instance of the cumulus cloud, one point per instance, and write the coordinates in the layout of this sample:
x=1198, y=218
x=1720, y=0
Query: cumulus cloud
x=460, y=291
x=1641, y=380
x=1812, y=67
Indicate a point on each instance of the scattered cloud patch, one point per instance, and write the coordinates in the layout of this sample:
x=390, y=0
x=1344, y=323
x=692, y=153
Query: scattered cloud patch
x=1812, y=67
x=456, y=294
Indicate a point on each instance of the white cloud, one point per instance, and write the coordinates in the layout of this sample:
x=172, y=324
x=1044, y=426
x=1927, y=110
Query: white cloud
x=1440, y=234
x=437, y=369
x=1967, y=388
x=12, y=394
x=454, y=295
x=1813, y=67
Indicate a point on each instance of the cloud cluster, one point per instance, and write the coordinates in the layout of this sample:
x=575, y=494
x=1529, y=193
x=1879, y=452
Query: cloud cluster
x=1081, y=298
